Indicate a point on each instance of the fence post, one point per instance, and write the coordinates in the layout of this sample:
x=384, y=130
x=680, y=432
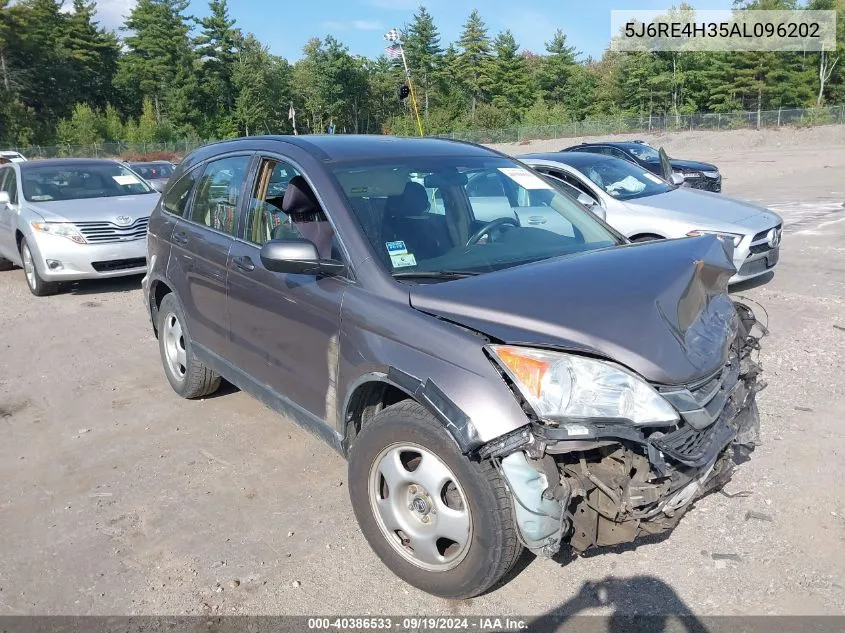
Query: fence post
x=779, y=109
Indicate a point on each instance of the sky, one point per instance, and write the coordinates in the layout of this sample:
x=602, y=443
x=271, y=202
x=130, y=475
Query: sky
x=286, y=25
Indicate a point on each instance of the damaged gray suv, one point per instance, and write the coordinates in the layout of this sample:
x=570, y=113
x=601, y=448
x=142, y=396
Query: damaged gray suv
x=501, y=369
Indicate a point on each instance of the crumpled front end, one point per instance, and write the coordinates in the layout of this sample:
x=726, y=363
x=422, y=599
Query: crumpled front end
x=590, y=483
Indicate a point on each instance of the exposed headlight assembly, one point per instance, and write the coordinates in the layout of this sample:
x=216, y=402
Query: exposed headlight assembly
x=561, y=386
x=62, y=229
x=711, y=174
x=736, y=238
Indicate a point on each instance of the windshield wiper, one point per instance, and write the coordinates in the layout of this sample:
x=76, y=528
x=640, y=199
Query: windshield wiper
x=435, y=274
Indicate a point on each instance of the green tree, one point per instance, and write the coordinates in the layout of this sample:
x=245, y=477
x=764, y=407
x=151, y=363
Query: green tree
x=158, y=51
x=510, y=83
x=556, y=68
x=91, y=56
x=216, y=49
x=472, y=62
x=424, y=54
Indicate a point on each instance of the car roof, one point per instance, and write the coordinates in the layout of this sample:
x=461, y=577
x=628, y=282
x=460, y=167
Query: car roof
x=150, y=162
x=619, y=144
x=350, y=147
x=573, y=159
x=65, y=162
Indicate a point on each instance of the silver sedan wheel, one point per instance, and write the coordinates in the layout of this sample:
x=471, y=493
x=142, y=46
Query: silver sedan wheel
x=420, y=507
x=28, y=266
x=174, y=346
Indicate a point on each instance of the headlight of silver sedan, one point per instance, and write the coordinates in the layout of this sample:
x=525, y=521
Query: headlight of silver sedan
x=559, y=386
x=736, y=238
x=62, y=229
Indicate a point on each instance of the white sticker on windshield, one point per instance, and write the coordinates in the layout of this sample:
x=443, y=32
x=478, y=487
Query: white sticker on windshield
x=525, y=178
x=403, y=260
x=128, y=179
x=653, y=178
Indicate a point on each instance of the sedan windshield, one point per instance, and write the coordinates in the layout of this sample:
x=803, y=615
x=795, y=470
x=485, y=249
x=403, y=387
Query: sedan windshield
x=442, y=218
x=73, y=182
x=624, y=180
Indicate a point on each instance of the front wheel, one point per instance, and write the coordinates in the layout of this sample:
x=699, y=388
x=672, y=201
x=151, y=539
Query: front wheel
x=34, y=281
x=439, y=521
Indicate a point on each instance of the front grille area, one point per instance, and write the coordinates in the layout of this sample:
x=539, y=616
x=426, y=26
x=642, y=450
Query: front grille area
x=764, y=235
x=694, y=447
x=108, y=232
x=119, y=264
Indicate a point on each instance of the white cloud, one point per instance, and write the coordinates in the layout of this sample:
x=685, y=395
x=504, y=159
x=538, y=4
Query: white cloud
x=357, y=25
x=111, y=14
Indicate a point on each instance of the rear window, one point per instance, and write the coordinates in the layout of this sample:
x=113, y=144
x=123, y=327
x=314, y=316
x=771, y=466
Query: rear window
x=75, y=182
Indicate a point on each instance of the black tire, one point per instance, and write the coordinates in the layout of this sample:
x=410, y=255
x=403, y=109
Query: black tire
x=35, y=282
x=197, y=380
x=494, y=546
x=646, y=238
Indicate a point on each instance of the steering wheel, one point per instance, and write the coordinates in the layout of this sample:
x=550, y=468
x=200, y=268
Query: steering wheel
x=484, y=230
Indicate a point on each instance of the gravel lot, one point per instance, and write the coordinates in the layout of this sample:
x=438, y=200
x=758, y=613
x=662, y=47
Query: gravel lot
x=117, y=497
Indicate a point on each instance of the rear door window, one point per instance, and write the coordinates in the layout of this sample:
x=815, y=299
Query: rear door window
x=219, y=192
x=176, y=199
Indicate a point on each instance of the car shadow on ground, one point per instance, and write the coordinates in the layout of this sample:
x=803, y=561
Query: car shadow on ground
x=638, y=603
x=102, y=286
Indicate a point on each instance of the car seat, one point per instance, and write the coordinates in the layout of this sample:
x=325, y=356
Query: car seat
x=407, y=219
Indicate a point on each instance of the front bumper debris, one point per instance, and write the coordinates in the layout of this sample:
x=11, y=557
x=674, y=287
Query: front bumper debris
x=592, y=483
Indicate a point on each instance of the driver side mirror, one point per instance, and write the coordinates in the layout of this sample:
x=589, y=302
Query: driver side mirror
x=4, y=198
x=297, y=256
x=587, y=201
x=677, y=179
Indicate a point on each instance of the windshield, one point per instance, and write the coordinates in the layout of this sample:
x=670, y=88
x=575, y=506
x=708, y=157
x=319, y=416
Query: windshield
x=646, y=153
x=154, y=170
x=74, y=182
x=465, y=215
x=624, y=180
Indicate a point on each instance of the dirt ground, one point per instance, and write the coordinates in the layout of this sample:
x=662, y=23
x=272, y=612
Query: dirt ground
x=117, y=497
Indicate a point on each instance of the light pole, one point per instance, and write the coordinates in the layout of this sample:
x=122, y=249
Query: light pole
x=394, y=36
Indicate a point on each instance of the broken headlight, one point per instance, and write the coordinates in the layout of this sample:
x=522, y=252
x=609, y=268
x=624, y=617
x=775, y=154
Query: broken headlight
x=559, y=386
x=736, y=238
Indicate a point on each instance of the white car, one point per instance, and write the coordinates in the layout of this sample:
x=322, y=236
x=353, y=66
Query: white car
x=13, y=157
x=642, y=206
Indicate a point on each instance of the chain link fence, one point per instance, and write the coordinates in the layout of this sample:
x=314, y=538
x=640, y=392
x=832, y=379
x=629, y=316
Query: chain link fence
x=651, y=124
x=702, y=121
x=118, y=149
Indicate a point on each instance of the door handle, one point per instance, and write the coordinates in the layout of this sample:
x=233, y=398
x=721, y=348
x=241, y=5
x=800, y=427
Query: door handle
x=244, y=262
x=181, y=237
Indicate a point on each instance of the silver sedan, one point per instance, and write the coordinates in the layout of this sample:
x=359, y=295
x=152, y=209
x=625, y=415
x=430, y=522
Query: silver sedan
x=643, y=206
x=69, y=219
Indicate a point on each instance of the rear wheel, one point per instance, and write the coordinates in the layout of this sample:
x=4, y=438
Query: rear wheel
x=439, y=521
x=37, y=285
x=188, y=376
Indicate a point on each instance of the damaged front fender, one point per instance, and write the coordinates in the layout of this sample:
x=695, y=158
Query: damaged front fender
x=612, y=483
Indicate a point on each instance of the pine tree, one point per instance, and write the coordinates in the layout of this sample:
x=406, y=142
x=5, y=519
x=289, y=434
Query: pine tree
x=510, y=83
x=556, y=68
x=424, y=54
x=472, y=64
x=216, y=48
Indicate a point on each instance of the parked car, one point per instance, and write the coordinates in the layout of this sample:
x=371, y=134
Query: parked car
x=70, y=219
x=157, y=173
x=12, y=157
x=643, y=207
x=493, y=385
x=696, y=174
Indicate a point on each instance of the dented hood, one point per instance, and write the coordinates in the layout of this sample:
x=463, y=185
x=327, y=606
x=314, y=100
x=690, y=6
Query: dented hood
x=659, y=308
